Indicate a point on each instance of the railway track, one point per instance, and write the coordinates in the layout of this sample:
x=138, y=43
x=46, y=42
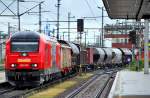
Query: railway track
x=5, y=87
x=97, y=87
x=104, y=91
x=8, y=91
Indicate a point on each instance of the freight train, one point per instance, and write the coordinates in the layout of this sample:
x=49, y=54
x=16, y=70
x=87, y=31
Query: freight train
x=32, y=58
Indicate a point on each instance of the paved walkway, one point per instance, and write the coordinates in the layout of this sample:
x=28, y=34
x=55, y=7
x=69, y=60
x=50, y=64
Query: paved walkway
x=129, y=84
x=2, y=76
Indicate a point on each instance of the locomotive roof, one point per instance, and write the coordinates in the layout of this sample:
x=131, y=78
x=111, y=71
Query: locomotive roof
x=23, y=35
x=30, y=36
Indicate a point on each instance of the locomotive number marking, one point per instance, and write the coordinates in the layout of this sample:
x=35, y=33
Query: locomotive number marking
x=24, y=60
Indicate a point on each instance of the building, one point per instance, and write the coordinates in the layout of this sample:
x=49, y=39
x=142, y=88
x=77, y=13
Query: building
x=119, y=39
x=119, y=34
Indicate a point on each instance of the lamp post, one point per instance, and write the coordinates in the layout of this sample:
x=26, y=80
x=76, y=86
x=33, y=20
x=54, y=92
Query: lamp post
x=0, y=48
x=18, y=14
x=146, y=62
x=69, y=17
x=58, y=9
x=102, y=34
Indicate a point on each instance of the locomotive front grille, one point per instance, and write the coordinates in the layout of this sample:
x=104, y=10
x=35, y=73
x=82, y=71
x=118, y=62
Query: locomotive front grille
x=23, y=75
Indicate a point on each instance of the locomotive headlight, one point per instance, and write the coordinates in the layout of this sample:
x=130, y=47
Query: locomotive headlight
x=128, y=59
x=13, y=65
x=34, y=65
x=24, y=54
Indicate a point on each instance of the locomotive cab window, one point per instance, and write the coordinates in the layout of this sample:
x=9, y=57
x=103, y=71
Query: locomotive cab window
x=24, y=46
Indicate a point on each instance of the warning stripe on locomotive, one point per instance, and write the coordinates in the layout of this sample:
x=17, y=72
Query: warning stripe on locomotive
x=24, y=60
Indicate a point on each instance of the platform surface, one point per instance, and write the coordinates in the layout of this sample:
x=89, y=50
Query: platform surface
x=129, y=84
x=2, y=76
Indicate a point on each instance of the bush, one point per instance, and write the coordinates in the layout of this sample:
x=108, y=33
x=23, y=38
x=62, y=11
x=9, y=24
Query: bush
x=1, y=61
x=1, y=67
x=141, y=64
x=133, y=66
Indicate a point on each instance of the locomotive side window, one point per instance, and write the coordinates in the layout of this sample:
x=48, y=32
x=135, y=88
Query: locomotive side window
x=24, y=46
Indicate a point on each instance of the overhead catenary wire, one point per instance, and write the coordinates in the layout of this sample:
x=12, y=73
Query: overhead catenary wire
x=95, y=2
x=6, y=7
x=52, y=16
x=91, y=10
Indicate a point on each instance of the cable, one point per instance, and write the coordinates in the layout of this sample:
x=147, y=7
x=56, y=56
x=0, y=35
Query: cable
x=91, y=10
x=95, y=2
x=2, y=23
x=90, y=7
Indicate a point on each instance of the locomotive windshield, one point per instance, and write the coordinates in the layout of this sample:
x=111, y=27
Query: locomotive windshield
x=24, y=46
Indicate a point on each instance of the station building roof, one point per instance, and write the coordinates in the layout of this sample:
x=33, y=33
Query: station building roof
x=127, y=9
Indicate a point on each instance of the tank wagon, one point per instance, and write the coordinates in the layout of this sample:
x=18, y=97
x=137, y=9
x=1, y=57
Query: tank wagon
x=117, y=57
x=126, y=56
x=99, y=57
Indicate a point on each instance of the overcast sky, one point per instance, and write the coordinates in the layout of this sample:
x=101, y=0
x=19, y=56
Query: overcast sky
x=77, y=8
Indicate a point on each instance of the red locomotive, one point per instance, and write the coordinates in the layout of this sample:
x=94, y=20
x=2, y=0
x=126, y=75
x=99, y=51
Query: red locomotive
x=33, y=58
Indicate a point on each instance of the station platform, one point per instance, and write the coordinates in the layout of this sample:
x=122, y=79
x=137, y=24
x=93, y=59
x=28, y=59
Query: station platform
x=129, y=84
x=2, y=76
x=1, y=67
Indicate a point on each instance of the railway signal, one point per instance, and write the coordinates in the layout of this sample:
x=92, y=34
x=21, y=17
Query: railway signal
x=80, y=25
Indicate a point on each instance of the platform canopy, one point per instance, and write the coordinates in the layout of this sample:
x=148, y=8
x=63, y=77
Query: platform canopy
x=127, y=9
